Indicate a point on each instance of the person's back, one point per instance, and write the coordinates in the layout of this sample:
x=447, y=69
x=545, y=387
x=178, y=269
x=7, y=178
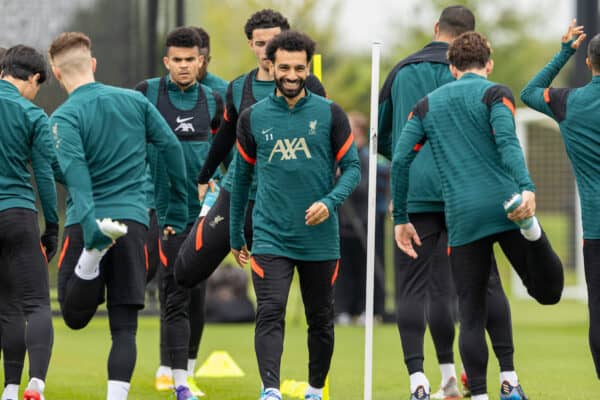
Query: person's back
x=19, y=127
x=449, y=128
x=114, y=142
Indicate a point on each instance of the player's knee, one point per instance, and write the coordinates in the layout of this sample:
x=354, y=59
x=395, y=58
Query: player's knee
x=77, y=319
x=549, y=296
x=271, y=311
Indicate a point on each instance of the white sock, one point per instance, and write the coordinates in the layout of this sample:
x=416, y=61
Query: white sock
x=534, y=232
x=191, y=366
x=164, y=370
x=179, y=377
x=88, y=265
x=418, y=379
x=117, y=390
x=480, y=397
x=313, y=390
x=448, y=371
x=509, y=376
x=11, y=392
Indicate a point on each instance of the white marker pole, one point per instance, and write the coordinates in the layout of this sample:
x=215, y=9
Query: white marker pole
x=376, y=50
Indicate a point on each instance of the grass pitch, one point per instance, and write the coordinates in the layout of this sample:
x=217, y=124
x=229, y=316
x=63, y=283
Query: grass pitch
x=552, y=359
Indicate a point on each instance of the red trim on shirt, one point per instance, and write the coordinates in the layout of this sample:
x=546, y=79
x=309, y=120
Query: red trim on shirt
x=506, y=101
x=547, y=95
x=342, y=152
x=246, y=157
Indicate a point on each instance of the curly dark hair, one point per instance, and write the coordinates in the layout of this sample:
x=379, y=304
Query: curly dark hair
x=263, y=19
x=22, y=61
x=291, y=41
x=183, y=37
x=469, y=50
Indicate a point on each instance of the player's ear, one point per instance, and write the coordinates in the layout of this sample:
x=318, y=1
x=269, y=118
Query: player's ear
x=94, y=64
x=56, y=73
x=589, y=64
x=489, y=66
x=453, y=71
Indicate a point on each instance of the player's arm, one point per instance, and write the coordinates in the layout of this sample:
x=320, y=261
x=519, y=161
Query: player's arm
x=74, y=167
x=385, y=119
x=223, y=141
x=241, y=185
x=538, y=94
x=43, y=159
x=502, y=108
x=160, y=135
x=410, y=141
x=346, y=155
x=44, y=163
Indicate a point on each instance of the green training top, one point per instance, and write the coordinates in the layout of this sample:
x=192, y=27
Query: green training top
x=294, y=153
x=25, y=137
x=100, y=134
x=410, y=80
x=193, y=120
x=576, y=111
x=470, y=126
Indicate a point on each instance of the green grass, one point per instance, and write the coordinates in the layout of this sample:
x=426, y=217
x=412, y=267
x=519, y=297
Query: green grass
x=552, y=359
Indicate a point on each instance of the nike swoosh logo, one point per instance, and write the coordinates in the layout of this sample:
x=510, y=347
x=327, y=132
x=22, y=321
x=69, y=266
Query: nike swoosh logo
x=264, y=131
x=180, y=120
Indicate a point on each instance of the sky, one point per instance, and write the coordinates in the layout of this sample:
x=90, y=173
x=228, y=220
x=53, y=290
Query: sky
x=363, y=21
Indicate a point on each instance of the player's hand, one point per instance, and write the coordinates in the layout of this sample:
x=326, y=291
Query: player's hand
x=526, y=209
x=405, y=235
x=168, y=231
x=242, y=256
x=50, y=240
x=574, y=33
x=316, y=213
x=202, y=189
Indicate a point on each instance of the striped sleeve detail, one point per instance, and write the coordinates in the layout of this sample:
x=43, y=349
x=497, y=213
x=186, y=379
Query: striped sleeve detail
x=500, y=94
x=245, y=155
x=547, y=95
x=341, y=133
x=342, y=152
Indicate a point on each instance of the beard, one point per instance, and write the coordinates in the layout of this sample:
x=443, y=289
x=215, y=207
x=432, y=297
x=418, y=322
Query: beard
x=290, y=93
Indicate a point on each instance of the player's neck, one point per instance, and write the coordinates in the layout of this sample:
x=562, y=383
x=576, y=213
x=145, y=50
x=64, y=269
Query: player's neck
x=263, y=75
x=477, y=71
x=18, y=83
x=443, y=37
x=75, y=81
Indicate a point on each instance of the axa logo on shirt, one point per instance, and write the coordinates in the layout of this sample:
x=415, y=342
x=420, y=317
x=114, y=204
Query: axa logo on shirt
x=184, y=125
x=287, y=149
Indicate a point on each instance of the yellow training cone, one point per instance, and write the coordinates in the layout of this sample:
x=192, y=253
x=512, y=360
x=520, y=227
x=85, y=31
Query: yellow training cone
x=219, y=365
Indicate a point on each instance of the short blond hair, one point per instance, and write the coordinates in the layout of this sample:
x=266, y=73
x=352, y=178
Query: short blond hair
x=68, y=41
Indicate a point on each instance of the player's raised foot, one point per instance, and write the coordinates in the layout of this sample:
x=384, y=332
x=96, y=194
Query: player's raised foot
x=419, y=394
x=448, y=392
x=511, y=205
x=270, y=394
x=191, y=383
x=112, y=229
x=184, y=393
x=163, y=382
x=509, y=392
